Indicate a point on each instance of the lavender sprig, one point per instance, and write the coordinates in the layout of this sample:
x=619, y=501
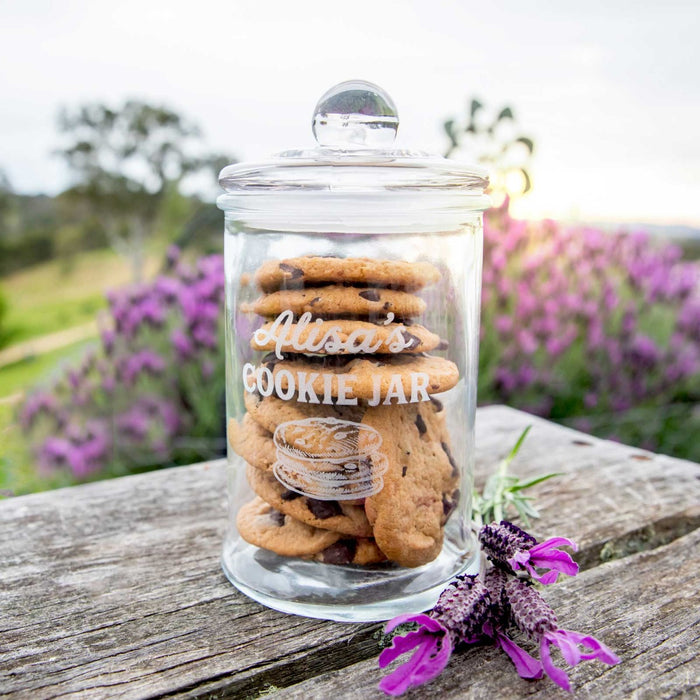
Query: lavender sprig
x=492, y=608
x=504, y=492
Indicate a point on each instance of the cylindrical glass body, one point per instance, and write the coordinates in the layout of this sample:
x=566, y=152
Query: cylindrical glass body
x=352, y=329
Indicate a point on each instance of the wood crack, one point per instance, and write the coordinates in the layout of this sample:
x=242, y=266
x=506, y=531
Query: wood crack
x=653, y=535
x=294, y=669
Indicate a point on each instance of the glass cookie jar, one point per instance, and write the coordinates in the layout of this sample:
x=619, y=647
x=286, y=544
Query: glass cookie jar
x=353, y=280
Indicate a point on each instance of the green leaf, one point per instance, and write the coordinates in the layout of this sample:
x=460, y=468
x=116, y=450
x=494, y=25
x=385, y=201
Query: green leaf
x=528, y=182
x=518, y=444
x=474, y=108
x=505, y=113
x=535, y=480
x=526, y=142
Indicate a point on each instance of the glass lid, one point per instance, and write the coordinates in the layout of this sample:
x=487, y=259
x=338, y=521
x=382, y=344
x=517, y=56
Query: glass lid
x=355, y=124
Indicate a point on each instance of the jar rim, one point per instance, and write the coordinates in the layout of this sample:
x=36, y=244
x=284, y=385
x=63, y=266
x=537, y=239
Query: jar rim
x=353, y=172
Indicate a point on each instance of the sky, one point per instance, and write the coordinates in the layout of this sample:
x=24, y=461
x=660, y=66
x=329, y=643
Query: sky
x=609, y=91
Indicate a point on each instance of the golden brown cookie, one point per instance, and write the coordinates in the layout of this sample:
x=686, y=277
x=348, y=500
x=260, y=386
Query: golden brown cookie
x=335, y=300
x=359, y=551
x=328, y=515
x=389, y=378
x=303, y=271
x=261, y=525
x=342, y=336
x=252, y=442
x=270, y=411
x=408, y=514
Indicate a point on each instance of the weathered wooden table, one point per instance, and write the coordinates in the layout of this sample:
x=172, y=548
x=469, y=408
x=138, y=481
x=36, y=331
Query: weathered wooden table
x=114, y=589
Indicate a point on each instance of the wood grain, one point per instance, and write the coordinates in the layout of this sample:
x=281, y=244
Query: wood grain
x=114, y=589
x=655, y=632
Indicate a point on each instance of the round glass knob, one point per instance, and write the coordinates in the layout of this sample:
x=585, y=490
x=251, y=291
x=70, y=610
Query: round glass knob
x=355, y=114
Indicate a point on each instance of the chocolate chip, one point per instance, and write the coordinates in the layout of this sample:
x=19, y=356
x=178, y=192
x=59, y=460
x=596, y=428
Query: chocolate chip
x=270, y=359
x=342, y=552
x=277, y=517
x=370, y=295
x=420, y=424
x=412, y=341
x=289, y=495
x=438, y=404
x=323, y=509
x=387, y=305
x=403, y=471
x=443, y=345
x=294, y=272
x=446, y=448
x=449, y=504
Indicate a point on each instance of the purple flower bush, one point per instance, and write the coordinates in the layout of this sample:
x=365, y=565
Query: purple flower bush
x=595, y=330
x=598, y=330
x=152, y=394
x=496, y=607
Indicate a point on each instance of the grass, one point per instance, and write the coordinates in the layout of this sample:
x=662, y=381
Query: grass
x=44, y=299
x=18, y=473
x=52, y=296
x=21, y=376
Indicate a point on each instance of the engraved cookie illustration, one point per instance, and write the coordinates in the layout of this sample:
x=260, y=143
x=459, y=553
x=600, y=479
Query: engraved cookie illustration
x=322, y=458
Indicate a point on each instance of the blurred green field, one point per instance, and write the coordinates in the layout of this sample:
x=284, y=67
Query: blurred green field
x=55, y=296
x=44, y=300
x=17, y=470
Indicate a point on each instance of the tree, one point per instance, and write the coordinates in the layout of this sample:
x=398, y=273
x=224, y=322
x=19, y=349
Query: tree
x=492, y=140
x=125, y=162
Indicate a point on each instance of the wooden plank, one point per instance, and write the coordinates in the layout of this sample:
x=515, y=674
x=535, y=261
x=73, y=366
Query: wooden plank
x=114, y=588
x=645, y=607
x=611, y=498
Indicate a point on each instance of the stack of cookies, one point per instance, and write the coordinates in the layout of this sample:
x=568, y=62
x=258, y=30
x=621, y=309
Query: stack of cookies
x=347, y=448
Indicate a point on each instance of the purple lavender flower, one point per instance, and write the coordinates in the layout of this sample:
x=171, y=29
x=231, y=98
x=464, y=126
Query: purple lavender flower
x=532, y=616
x=182, y=344
x=514, y=549
x=526, y=665
x=433, y=648
x=546, y=555
x=36, y=404
x=143, y=361
x=463, y=608
x=172, y=256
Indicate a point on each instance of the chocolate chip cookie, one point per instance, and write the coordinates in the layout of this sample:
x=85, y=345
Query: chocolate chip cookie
x=408, y=514
x=270, y=411
x=337, y=301
x=328, y=515
x=359, y=551
x=310, y=270
x=261, y=525
x=390, y=378
x=252, y=442
x=343, y=336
